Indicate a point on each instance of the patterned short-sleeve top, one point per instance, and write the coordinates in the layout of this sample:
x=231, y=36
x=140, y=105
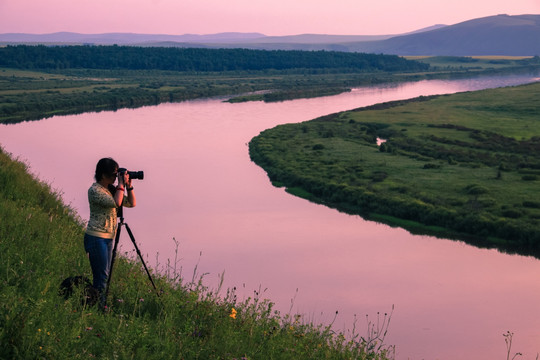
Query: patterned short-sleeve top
x=103, y=218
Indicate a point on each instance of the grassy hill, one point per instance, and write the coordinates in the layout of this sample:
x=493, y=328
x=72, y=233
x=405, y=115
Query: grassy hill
x=41, y=244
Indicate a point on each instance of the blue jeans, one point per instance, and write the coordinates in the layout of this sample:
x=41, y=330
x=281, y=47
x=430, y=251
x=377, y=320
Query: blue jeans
x=99, y=252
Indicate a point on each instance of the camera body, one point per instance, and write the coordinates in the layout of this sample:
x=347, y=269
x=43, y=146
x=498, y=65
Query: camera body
x=134, y=175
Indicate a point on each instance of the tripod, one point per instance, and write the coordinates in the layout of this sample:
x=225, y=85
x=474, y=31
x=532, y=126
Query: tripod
x=121, y=223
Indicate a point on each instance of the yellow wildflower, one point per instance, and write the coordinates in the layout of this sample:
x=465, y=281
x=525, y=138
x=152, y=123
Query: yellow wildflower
x=233, y=313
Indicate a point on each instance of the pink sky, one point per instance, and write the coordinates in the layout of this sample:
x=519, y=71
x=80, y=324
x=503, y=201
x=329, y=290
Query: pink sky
x=270, y=17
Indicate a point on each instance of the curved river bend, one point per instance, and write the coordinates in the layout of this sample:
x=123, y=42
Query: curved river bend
x=452, y=301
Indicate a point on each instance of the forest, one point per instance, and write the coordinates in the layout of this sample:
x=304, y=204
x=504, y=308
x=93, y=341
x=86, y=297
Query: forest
x=195, y=59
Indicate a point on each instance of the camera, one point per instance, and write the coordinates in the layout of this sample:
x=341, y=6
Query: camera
x=134, y=175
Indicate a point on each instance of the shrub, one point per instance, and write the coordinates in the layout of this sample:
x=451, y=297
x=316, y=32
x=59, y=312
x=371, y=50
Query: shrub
x=511, y=213
x=475, y=189
x=532, y=204
x=431, y=166
x=379, y=176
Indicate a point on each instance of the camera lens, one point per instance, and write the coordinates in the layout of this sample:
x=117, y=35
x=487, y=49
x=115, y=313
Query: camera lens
x=132, y=174
x=136, y=175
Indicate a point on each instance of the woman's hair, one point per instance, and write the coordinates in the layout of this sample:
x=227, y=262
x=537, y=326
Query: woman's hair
x=105, y=166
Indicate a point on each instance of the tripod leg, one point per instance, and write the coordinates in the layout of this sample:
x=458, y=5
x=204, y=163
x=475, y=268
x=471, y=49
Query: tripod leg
x=116, y=240
x=140, y=256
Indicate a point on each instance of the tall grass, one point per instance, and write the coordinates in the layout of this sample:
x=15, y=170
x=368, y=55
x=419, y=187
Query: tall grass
x=41, y=244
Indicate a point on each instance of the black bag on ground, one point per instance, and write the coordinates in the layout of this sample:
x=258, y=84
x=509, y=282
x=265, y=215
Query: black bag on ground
x=90, y=295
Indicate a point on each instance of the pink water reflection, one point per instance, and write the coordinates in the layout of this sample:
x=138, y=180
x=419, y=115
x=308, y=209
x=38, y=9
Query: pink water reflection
x=452, y=301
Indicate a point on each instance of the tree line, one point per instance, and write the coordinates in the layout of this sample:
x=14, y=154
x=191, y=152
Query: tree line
x=195, y=59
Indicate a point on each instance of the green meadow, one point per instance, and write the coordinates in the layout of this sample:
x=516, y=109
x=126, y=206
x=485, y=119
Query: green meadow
x=465, y=166
x=475, y=62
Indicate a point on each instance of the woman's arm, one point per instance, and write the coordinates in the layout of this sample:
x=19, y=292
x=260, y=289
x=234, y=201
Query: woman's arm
x=121, y=188
x=130, y=193
x=124, y=183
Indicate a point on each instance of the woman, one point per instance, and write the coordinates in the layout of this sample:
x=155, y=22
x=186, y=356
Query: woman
x=105, y=199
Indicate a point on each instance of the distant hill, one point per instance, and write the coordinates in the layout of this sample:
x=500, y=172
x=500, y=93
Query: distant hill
x=122, y=38
x=517, y=35
x=221, y=40
x=494, y=35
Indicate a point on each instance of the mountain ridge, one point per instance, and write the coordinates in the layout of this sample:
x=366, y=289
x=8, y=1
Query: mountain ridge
x=517, y=35
x=506, y=35
x=118, y=38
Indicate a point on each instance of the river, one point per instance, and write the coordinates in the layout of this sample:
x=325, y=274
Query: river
x=451, y=300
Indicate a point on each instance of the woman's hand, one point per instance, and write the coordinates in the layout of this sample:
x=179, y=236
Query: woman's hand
x=123, y=179
x=127, y=181
x=130, y=192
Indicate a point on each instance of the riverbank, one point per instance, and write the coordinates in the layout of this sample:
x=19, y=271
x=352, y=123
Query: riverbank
x=41, y=244
x=31, y=92
x=462, y=166
x=39, y=81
